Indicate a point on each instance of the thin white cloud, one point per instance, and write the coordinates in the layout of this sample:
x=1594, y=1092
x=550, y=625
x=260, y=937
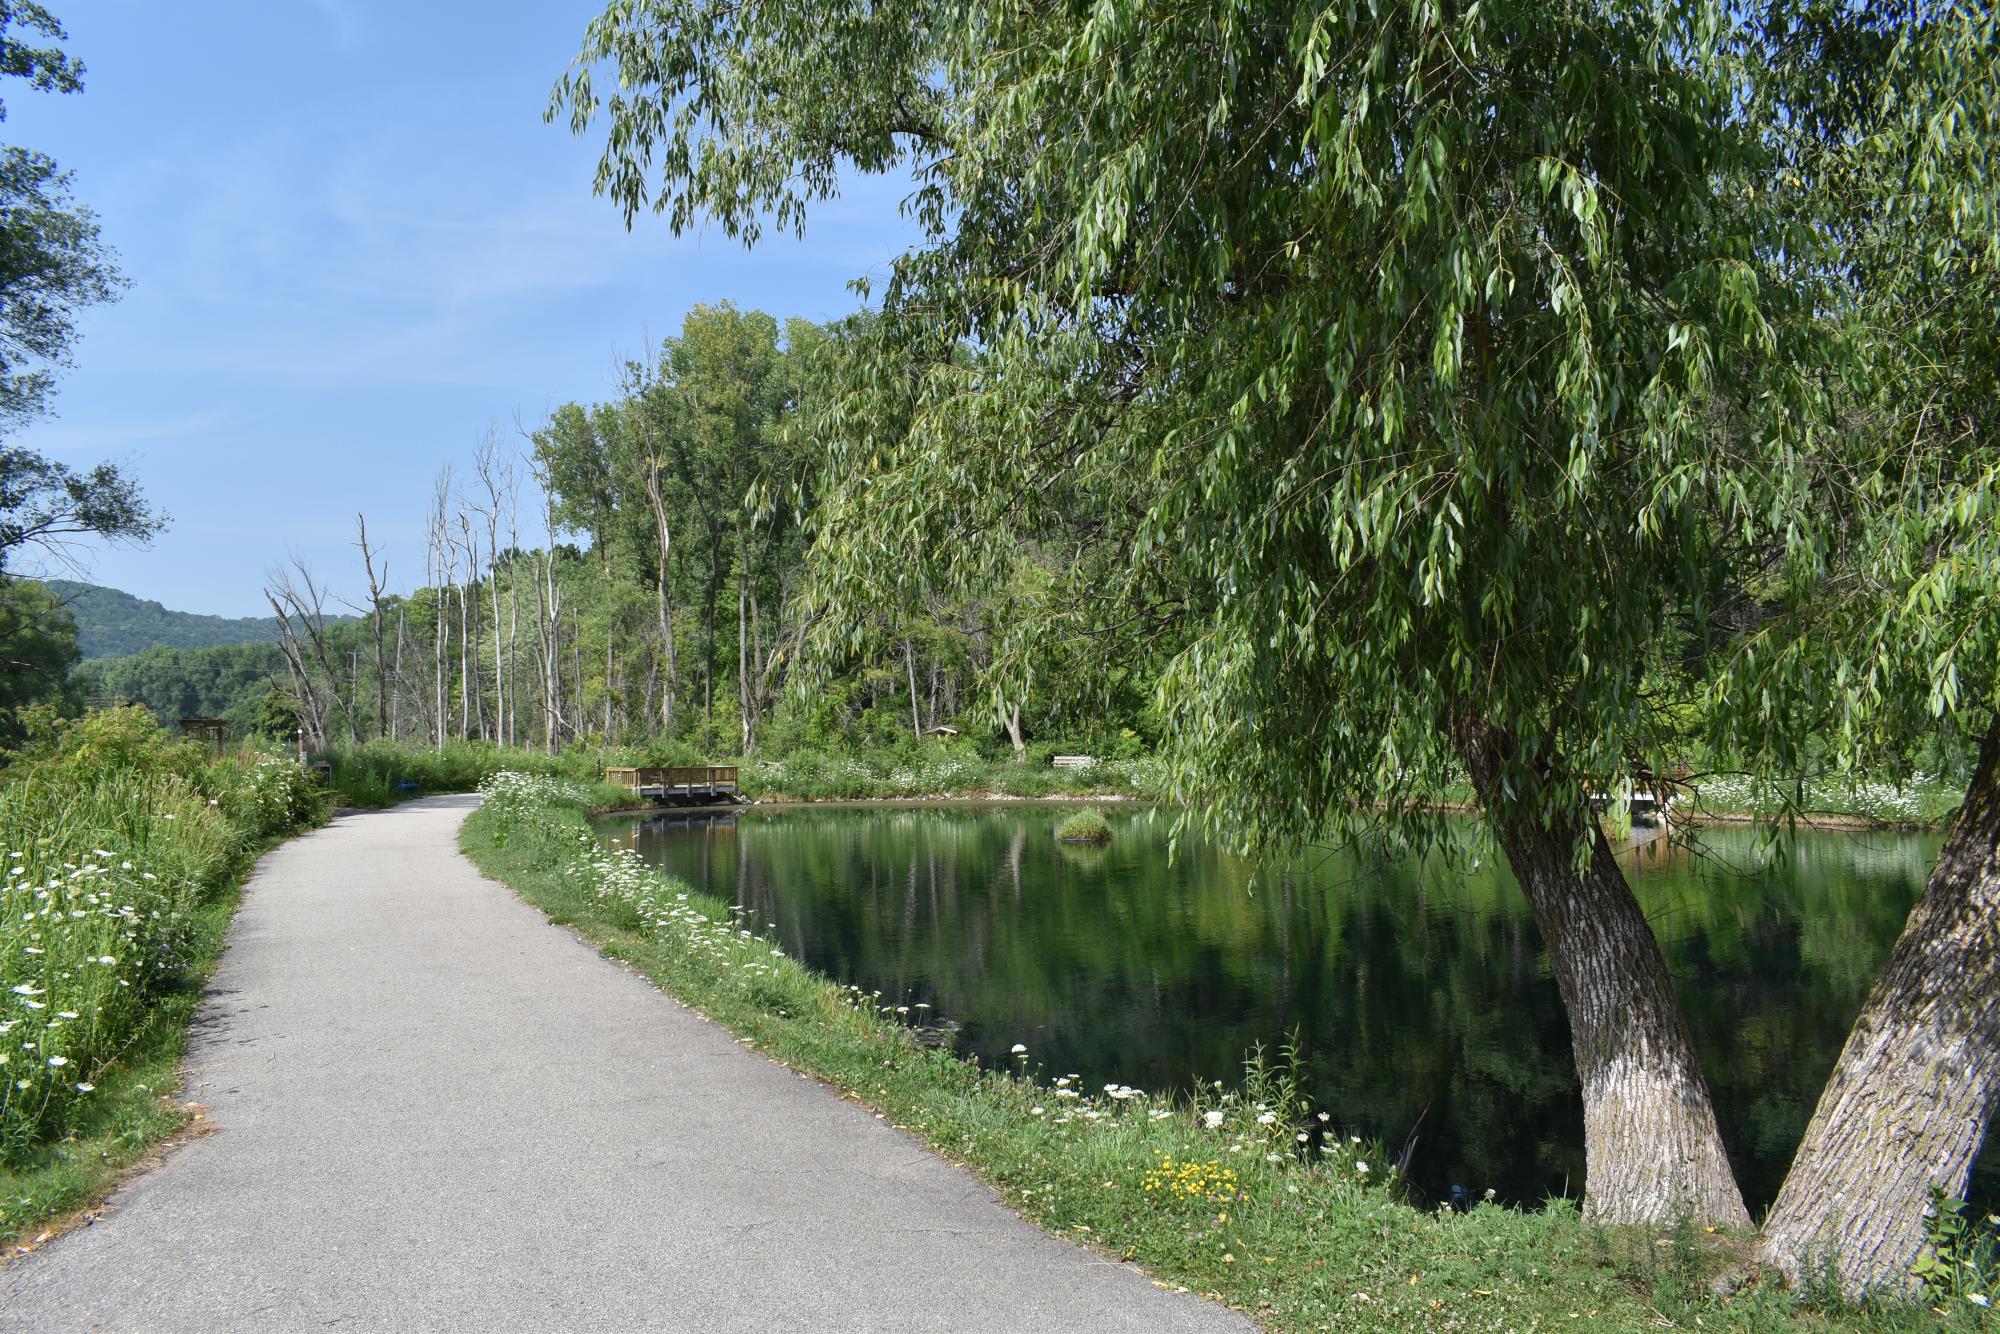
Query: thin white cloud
x=346, y=23
x=56, y=437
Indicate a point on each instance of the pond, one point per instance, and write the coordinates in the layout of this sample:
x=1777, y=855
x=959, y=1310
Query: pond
x=1418, y=996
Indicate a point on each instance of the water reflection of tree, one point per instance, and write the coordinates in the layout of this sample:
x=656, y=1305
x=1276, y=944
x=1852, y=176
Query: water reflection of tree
x=1414, y=992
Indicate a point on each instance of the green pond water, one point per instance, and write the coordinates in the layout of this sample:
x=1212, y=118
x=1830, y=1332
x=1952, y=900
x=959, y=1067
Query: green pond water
x=1418, y=995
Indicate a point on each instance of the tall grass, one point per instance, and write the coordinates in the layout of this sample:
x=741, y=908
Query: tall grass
x=114, y=839
x=380, y=773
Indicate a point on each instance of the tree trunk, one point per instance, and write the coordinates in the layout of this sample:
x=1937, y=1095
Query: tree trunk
x=708, y=660
x=743, y=640
x=499, y=654
x=662, y=591
x=1652, y=1153
x=375, y=583
x=396, y=698
x=513, y=647
x=1014, y=732
x=910, y=668
x=464, y=674
x=578, y=700
x=473, y=632
x=1917, y=1082
x=438, y=645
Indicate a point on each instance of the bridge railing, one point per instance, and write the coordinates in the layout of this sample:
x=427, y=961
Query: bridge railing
x=672, y=777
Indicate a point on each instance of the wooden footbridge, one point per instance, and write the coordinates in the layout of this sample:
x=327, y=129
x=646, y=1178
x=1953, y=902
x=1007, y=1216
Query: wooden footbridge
x=686, y=785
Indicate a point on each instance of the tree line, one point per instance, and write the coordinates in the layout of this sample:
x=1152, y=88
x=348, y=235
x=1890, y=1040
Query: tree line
x=634, y=572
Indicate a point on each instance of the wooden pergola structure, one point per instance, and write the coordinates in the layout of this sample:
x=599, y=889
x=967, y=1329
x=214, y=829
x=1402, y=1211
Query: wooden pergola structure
x=213, y=731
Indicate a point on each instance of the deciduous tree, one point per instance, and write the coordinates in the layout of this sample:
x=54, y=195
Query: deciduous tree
x=1392, y=337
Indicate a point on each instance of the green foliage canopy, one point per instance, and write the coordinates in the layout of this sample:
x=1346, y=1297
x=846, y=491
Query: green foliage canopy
x=37, y=651
x=53, y=262
x=1881, y=629
x=1394, y=343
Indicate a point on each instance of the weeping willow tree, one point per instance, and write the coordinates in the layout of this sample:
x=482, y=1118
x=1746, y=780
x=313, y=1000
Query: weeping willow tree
x=1389, y=347
x=1879, y=624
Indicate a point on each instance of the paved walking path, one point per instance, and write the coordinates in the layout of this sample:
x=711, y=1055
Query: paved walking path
x=438, y=1112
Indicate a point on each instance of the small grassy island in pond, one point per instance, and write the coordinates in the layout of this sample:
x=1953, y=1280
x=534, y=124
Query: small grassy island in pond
x=1084, y=827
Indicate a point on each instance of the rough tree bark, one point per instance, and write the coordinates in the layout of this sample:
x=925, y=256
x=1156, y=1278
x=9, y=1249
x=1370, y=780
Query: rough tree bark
x=1652, y=1152
x=1917, y=1082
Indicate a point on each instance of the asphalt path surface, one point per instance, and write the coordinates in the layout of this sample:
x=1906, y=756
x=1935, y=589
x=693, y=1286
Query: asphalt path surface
x=436, y=1111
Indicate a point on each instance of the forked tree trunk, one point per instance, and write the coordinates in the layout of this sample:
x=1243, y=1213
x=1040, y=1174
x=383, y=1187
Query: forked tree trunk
x=1652, y=1153
x=1917, y=1082
x=1014, y=732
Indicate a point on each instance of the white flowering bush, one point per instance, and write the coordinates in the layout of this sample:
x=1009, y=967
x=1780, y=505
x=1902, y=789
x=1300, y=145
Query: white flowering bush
x=77, y=936
x=267, y=794
x=1920, y=799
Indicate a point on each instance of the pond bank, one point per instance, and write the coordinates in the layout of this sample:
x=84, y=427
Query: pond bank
x=1214, y=1193
x=1835, y=821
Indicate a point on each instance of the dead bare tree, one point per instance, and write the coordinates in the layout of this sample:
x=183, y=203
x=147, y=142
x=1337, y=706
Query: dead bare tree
x=548, y=619
x=300, y=606
x=440, y=577
x=492, y=468
x=376, y=583
x=513, y=479
x=473, y=704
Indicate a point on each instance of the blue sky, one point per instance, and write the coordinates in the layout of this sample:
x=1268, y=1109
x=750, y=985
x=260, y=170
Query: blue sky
x=354, y=246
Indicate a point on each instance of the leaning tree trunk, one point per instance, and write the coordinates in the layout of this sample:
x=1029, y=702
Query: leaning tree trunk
x=1917, y=1082
x=1652, y=1153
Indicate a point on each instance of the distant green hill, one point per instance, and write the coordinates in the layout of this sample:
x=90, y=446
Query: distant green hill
x=111, y=624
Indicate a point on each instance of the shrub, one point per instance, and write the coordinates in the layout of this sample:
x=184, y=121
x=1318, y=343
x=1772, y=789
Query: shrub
x=1084, y=827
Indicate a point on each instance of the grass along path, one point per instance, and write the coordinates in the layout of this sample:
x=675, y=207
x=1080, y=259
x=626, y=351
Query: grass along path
x=1252, y=1198
x=133, y=1111
x=433, y=1110
x=122, y=852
